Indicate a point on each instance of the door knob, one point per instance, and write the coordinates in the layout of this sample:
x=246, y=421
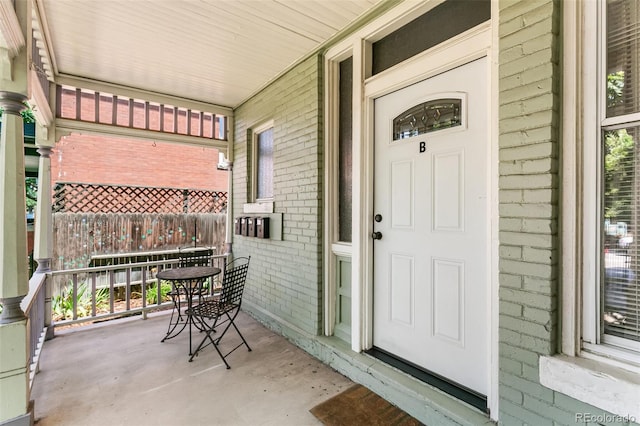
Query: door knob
x=376, y=235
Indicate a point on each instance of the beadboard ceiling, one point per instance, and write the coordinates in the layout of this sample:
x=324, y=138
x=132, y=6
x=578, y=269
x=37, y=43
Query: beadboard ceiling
x=215, y=51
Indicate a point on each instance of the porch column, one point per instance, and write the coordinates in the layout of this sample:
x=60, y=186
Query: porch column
x=229, y=231
x=43, y=239
x=14, y=280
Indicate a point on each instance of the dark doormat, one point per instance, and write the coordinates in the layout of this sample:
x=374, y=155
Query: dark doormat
x=359, y=406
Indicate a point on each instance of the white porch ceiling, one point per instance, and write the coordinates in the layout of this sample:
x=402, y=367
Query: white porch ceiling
x=214, y=51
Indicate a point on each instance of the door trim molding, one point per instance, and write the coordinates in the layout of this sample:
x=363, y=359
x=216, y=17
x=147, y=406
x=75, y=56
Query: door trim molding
x=467, y=50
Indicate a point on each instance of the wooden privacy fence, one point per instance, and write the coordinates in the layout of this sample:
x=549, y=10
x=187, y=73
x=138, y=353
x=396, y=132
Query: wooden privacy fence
x=78, y=236
x=70, y=197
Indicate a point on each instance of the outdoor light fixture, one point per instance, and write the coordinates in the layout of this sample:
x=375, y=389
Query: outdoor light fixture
x=223, y=163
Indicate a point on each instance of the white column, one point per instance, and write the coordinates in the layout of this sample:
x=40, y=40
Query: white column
x=14, y=279
x=43, y=239
x=229, y=237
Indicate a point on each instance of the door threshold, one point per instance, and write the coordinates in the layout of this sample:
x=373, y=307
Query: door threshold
x=456, y=390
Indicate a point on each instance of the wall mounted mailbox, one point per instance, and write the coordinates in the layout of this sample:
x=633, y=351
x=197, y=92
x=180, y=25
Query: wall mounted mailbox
x=265, y=227
x=244, y=229
x=251, y=226
x=262, y=227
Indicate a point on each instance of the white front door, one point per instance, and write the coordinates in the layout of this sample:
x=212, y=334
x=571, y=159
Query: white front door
x=430, y=204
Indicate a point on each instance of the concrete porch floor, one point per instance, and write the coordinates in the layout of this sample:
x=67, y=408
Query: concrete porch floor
x=118, y=373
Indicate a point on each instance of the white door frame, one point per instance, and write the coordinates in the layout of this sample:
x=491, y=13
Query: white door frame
x=465, y=48
x=473, y=44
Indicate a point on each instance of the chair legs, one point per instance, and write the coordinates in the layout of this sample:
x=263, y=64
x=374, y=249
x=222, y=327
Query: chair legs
x=210, y=329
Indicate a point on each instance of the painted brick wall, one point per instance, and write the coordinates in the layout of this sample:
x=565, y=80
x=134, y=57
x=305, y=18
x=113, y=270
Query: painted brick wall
x=285, y=276
x=529, y=202
x=104, y=160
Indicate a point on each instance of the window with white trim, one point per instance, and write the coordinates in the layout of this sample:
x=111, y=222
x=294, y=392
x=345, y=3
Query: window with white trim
x=600, y=209
x=263, y=150
x=611, y=189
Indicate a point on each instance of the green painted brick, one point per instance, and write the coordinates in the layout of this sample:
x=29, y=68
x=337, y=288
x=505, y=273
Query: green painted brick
x=539, y=87
x=527, y=268
x=540, y=285
x=509, y=308
x=548, y=195
x=518, y=9
x=526, y=137
x=527, y=387
x=536, y=44
x=508, y=351
x=541, y=150
x=526, y=35
x=527, y=298
x=537, y=255
x=528, y=78
x=540, y=316
x=506, y=196
x=528, y=167
x=525, y=416
x=528, y=343
x=511, y=366
x=509, y=337
x=511, y=394
x=510, y=252
x=513, y=281
x=522, y=326
x=528, y=181
x=511, y=53
x=557, y=414
x=511, y=224
x=527, y=62
x=537, y=210
x=508, y=419
x=528, y=121
x=540, y=226
x=293, y=102
x=527, y=239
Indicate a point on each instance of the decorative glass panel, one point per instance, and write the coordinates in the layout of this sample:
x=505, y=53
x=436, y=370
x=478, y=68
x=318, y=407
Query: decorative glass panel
x=427, y=117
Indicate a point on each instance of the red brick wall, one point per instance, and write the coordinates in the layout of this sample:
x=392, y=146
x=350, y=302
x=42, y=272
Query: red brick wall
x=105, y=160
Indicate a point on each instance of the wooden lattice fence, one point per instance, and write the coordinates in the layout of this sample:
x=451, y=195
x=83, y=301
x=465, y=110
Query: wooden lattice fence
x=70, y=197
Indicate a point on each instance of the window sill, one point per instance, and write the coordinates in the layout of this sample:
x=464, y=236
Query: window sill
x=258, y=207
x=609, y=388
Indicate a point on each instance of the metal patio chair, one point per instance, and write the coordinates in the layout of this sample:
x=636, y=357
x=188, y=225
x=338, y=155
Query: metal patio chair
x=223, y=309
x=177, y=294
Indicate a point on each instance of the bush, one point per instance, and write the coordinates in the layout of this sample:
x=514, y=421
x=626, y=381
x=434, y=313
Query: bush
x=63, y=303
x=152, y=293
